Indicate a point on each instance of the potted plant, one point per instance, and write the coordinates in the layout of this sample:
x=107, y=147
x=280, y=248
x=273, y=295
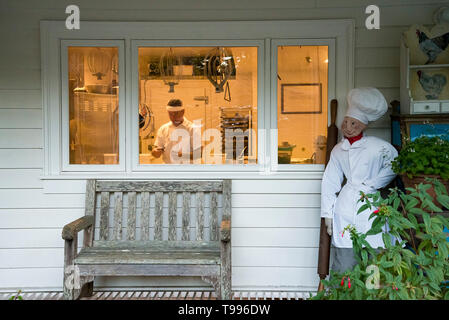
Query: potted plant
x=404, y=269
x=424, y=157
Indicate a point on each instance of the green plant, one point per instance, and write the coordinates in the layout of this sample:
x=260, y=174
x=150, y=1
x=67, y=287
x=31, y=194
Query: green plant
x=17, y=296
x=423, y=155
x=414, y=263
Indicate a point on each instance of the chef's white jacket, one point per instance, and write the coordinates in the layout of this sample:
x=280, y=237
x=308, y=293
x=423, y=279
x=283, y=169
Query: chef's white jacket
x=168, y=137
x=366, y=164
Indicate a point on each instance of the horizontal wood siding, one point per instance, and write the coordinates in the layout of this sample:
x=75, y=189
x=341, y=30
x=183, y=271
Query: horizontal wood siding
x=274, y=222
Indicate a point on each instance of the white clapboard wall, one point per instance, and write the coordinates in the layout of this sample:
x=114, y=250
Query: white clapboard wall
x=275, y=222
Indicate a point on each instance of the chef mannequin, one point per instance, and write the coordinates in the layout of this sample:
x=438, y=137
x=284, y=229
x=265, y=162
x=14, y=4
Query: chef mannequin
x=366, y=163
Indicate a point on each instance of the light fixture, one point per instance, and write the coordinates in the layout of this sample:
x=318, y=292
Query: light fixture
x=166, y=68
x=99, y=62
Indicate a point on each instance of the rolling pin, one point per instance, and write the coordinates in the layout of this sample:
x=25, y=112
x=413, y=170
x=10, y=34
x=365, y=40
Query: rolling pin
x=325, y=239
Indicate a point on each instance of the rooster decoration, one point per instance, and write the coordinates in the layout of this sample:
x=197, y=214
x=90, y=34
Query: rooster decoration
x=432, y=84
x=432, y=47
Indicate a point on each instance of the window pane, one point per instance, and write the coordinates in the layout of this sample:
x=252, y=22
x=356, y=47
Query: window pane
x=217, y=122
x=93, y=105
x=302, y=104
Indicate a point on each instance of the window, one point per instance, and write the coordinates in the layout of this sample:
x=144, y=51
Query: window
x=255, y=93
x=302, y=104
x=217, y=122
x=93, y=105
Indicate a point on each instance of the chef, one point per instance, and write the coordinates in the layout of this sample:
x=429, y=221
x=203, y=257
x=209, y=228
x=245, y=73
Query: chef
x=174, y=140
x=365, y=161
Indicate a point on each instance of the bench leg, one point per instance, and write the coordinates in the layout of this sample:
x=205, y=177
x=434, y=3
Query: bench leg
x=87, y=289
x=215, y=282
x=225, y=274
x=70, y=273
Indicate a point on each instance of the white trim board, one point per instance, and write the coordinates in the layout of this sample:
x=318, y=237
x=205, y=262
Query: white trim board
x=205, y=32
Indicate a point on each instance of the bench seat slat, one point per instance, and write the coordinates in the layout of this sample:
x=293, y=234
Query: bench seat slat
x=154, y=244
x=154, y=186
x=147, y=257
x=147, y=270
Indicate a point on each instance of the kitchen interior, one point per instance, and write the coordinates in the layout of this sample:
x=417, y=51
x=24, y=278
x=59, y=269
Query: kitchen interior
x=218, y=87
x=93, y=105
x=302, y=104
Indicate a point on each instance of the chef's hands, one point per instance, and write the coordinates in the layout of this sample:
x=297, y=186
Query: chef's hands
x=157, y=151
x=328, y=223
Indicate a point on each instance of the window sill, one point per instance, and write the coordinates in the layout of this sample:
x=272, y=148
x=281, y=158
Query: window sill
x=284, y=175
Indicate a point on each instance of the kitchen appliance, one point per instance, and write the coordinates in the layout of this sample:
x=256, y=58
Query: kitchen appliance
x=285, y=151
x=219, y=67
x=236, y=121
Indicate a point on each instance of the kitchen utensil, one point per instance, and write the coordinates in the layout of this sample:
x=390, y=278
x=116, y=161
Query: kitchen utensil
x=325, y=239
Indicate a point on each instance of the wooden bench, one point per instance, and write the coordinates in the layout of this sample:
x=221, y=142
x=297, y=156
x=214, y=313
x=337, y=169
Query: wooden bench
x=122, y=238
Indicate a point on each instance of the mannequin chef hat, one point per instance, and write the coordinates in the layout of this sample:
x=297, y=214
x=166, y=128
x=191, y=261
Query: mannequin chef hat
x=175, y=105
x=366, y=104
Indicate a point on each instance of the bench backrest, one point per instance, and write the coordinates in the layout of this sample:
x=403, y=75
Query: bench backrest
x=158, y=210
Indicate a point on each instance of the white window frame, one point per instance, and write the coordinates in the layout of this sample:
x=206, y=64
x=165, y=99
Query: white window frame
x=136, y=166
x=66, y=166
x=207, y=32
x=275, y=43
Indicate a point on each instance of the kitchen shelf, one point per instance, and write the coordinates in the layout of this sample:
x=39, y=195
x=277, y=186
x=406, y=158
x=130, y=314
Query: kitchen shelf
x=192, y=77
x=93, y=95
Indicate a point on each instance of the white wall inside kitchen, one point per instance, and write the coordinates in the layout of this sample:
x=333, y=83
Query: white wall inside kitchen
x=275, y=222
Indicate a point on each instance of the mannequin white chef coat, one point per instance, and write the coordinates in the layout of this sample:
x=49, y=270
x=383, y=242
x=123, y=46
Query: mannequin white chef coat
x=366, y=164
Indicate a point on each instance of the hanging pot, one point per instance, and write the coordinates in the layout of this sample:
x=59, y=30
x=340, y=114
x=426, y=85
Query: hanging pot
x=219, y=67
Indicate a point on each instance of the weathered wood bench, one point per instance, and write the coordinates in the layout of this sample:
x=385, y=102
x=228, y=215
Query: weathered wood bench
x=160, y=239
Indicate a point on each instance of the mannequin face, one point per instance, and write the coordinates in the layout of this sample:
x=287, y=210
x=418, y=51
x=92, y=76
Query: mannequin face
x=352, y=127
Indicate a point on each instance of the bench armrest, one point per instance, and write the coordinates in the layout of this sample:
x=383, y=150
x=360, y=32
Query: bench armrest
x=225, y=230
x=71, y=230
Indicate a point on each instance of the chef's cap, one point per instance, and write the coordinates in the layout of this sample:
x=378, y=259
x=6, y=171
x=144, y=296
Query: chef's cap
x=366, y=104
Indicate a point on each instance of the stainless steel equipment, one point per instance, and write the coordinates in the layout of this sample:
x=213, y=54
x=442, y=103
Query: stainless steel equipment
x=235, y=131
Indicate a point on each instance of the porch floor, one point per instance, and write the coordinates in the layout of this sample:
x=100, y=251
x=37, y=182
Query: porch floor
x=163, y=295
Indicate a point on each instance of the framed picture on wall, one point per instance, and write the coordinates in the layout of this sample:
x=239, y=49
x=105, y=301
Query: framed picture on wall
x=413, y=126
x=301, y=98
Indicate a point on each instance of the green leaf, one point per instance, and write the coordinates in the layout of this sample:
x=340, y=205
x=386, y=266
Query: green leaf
x=444, y=200
x=386, y=239
x=364, y=207
x=411, y=204
x=426, y=219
